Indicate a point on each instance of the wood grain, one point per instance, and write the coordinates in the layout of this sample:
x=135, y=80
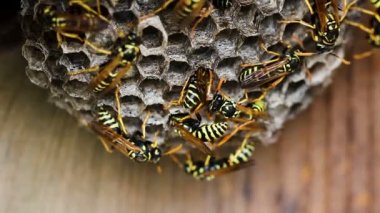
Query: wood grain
x=325, y=161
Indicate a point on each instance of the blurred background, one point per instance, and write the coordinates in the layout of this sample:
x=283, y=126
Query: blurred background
x=325, y=160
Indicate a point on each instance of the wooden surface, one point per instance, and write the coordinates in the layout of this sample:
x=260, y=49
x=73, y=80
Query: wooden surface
x=326, y=159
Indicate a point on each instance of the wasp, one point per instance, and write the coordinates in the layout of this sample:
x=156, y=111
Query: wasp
x=373, y=31
x=192, y=130
x=136, y=147
x=187, y=11
x=110, y=74
x=197, y=87
x=325, y=23
x=230, y=109
x=211, y=167
x=272, y=72
x=69, y=25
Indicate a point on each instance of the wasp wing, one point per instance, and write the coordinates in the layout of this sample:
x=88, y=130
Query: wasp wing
x=196, y=142
x=230, y=169
x=321, y=13
x=117, y=139
x=264, y=75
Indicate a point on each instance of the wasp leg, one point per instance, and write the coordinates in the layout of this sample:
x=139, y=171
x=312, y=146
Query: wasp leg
x=161, y=8
x=227, y=137
x=343, y=60
x=203, y=15
x=307, y=2
x=351, y=6
x=297, y=22
x=181, y=97
x=143, y=125
x=118, y=107
x=363, y=55
x=88, y=70
x=59, y=39
x=174, y=150
x=359, y=26
x=89, y=9
x=262, y=46
x=107, y=146
x=86, y=42
x=368, y=12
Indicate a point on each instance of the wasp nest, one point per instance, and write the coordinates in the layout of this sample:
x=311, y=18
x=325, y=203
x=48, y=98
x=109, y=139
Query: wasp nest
x=170, y=54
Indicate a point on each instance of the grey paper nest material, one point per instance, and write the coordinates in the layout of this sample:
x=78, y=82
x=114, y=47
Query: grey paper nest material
x=170, y=55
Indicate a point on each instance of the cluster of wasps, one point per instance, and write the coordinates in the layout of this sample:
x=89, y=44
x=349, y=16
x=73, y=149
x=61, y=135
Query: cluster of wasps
x=201, y=95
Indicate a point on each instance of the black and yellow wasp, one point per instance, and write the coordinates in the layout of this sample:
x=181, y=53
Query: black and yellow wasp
x=124, y=56
x=230, y=109
x=211, y=167
x=197, y=87
x=114, y=136
x=72, y=25
x=269, y=74
x=192, y=130
x=325, y=23
x=187, y=11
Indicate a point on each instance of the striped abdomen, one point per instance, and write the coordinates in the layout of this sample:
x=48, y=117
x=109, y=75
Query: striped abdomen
x=103, y=84
x=106, y=119
x=211, y=132
x=192, y=97
x=243, y=154
x=248, y=71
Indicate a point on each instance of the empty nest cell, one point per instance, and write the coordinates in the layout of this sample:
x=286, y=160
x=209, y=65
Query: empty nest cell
x=151, y=66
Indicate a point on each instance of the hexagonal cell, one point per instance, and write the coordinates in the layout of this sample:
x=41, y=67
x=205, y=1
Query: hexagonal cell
x=319, y=73
x=271, y=29
x=131, y=106
x=178, y=39
x=233, y=90
x=157, y=114
x=75, y=61
x=227, y=68
x=226, y=43
x=151, y=37
x=152, y=42
x=150, y=6
x=247, y=14
x=173, y=93
x=177, y=45
x=177, y=73
x=56, y=70
x=249, y=49
x=294, y=86
x=293, y=9
x=35, y=54
x=203, y=56
x=268, y=7
x=153, y=91
x=130, y=87
x=151, y=66
x=38, y=77
x=125, y=4
x=204, y=33
x=77, y=89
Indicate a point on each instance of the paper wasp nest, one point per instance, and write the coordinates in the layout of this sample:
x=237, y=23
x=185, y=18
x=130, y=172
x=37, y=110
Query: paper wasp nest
x=170, y=55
